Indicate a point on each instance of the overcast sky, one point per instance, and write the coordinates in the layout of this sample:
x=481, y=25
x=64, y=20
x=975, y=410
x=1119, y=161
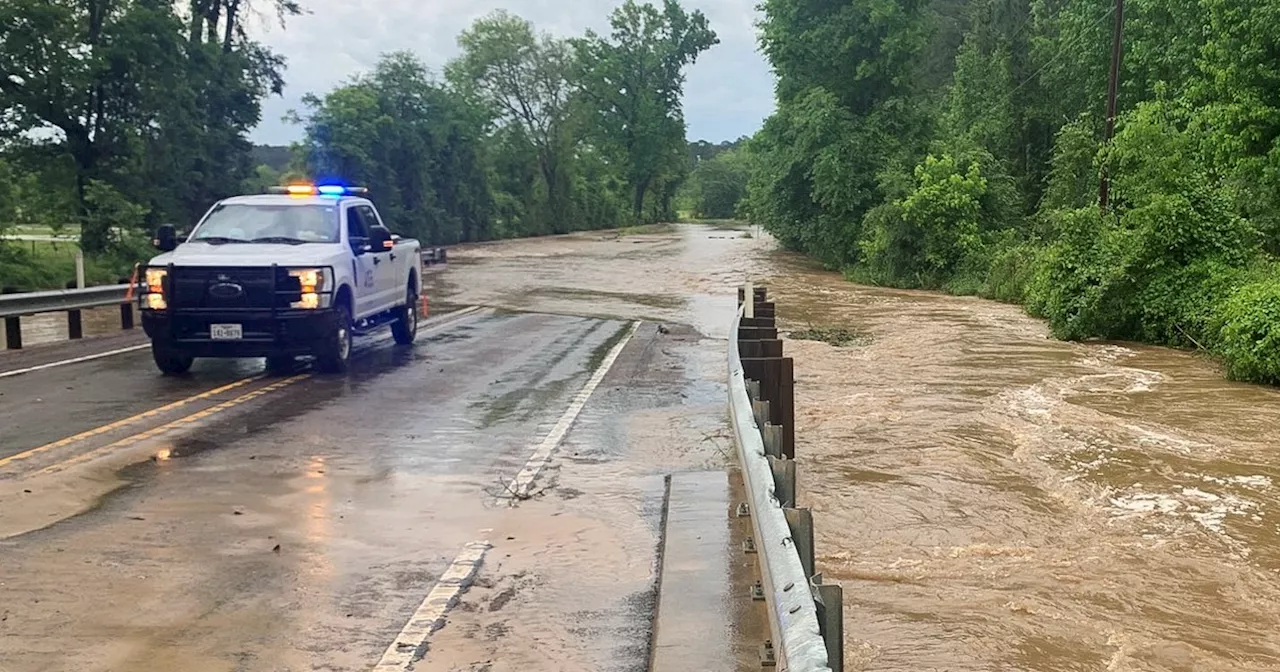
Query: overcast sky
x=728, y=92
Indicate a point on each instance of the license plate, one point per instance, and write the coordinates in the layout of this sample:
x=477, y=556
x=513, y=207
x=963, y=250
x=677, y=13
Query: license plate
x=226, y=332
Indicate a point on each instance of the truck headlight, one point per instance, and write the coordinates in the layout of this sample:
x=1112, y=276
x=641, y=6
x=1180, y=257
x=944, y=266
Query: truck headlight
x=154, y=298
x=313, y=283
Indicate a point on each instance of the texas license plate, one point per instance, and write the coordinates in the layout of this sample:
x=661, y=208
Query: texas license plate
x=226, y=332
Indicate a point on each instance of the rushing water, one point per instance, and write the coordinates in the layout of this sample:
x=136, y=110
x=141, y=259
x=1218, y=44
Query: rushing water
x=994, y=499
x=989, y=497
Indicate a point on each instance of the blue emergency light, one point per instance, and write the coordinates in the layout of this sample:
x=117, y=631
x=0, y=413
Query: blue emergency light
x=318, y=190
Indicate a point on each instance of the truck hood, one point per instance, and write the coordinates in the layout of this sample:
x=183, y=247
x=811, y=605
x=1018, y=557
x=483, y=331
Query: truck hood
x=255, y=254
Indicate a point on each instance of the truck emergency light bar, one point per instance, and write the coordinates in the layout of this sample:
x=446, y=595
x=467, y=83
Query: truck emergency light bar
x=318, y=190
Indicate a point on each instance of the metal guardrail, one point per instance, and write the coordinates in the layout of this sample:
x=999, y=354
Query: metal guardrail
x=805, y=615
x=434, y=255
x=15, y=305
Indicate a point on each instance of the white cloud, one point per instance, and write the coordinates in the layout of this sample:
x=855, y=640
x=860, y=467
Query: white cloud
x=728, y=93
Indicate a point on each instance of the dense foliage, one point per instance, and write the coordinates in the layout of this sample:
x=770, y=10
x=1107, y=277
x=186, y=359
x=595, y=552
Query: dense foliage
x=718, y=180
x=119, y=115
x=958, y=144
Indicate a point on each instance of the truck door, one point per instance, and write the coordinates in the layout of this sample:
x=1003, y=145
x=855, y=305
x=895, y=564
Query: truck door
x=390, y=290
x=364, y=271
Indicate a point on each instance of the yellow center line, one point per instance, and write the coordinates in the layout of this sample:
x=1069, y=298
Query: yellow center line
x=125, y=422
x=169, y=426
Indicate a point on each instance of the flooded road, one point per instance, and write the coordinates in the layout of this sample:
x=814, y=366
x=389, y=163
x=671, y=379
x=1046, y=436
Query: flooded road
x=991, y=498
x=228, y=521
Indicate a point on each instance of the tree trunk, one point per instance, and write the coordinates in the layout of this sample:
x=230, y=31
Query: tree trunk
x=638, y=206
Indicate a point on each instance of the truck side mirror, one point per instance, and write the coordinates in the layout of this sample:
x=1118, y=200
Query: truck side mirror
x=166, y=239
x=380, y=239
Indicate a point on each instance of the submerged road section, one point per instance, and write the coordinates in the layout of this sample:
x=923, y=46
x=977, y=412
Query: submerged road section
x=491, y=498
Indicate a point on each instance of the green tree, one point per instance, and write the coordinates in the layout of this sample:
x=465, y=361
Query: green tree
x=138, y=100
x=523, y=80
x=411, y=142
x=632, y=83
x=719, y=184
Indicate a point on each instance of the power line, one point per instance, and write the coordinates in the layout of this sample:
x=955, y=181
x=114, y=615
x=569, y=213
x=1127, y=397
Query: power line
x=1061, y=50
x=1104, y=187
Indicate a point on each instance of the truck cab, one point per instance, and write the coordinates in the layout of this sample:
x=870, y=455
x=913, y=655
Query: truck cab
x=298, y=271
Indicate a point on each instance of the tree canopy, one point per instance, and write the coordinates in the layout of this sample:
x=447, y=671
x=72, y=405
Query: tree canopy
x=958, y=144
x=119, y=115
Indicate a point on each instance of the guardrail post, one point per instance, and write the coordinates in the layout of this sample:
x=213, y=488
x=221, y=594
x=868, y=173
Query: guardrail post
x=75, y=327
x=761, y=294
x=12, y=325
x=771, y=434
x=801, y=523
x=784, y=480
x=126, y=311
x=761, y=411
x=79, y=270
x=753, y=389
x=777, y=386
x=760, y=349
x=829, y=599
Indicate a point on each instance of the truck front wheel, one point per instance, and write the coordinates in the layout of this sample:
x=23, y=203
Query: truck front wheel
x=405, y=328
x=169, y=361
x=335, y=354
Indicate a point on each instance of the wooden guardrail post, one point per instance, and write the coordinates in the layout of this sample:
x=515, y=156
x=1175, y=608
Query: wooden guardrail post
x=75, y=326
x=126, y=310
x=12, y=325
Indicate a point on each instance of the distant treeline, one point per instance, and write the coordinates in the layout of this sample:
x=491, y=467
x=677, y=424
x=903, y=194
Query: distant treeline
x=130, y=114
x=959, y=144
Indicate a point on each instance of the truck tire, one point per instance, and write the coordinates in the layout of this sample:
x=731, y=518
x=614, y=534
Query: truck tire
x=169, y=361
x=405, y=327
x=335, y=355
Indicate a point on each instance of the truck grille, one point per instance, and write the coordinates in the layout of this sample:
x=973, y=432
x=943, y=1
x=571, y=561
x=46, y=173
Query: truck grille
x=227, y=287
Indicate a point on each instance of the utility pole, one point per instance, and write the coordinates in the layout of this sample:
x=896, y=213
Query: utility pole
x=1104, y=188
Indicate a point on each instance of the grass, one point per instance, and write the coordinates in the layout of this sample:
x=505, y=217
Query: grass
x=35, y=265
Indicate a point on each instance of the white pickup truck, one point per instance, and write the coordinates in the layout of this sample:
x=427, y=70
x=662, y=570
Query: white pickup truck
x=294, y=272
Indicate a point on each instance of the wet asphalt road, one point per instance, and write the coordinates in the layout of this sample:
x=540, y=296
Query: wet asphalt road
x=299, y=521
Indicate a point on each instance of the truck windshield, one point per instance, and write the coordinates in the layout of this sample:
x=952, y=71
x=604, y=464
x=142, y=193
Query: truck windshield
x=274, y=223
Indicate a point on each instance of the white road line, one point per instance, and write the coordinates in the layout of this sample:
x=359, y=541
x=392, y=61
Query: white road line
x=411, y=643
x=523, y=482
x=77, y=360
x=439, y=321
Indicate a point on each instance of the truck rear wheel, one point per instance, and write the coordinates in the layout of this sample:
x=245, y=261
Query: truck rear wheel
x=335, y=355
x=170, y=362
x=405, y=328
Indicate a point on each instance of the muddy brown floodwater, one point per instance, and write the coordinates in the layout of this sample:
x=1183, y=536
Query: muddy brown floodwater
x=52, y=327
x=990, y=498
x=994, y=499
